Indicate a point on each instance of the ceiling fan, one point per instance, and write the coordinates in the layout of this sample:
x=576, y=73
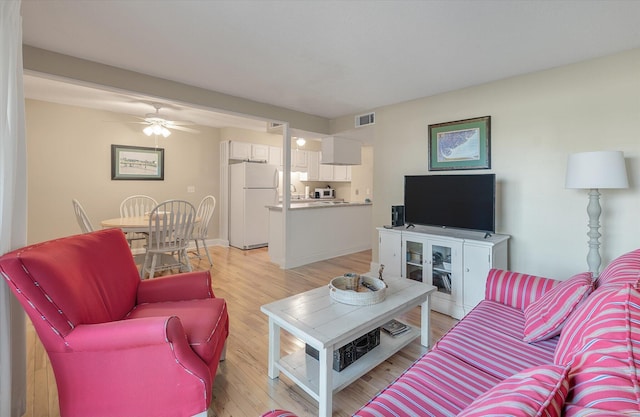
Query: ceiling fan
x=158, y=125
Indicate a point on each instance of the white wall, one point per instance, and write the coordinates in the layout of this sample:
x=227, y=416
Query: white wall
x=69, y=156
x=536, y=121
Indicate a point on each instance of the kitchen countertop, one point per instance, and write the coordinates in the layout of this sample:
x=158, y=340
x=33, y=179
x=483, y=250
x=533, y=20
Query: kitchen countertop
x=318, y=204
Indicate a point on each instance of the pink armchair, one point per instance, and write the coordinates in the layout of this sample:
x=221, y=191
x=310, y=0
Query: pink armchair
x=119, y=346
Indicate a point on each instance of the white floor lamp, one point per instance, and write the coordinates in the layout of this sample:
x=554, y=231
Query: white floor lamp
x=594, y=171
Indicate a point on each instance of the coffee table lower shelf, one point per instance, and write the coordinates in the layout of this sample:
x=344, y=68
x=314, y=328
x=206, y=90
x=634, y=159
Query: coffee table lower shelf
x=304, y=369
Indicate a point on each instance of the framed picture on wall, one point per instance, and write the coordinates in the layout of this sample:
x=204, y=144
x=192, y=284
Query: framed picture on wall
x=136, y=163
x=463, y=144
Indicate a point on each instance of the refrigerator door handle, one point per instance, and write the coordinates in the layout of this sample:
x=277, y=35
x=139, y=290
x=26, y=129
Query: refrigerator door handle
x=275, y=178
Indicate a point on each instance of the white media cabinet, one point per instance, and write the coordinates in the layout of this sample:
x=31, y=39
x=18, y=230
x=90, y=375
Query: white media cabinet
x=455, y=261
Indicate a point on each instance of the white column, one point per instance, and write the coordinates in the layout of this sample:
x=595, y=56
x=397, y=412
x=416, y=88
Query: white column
x=13, y=207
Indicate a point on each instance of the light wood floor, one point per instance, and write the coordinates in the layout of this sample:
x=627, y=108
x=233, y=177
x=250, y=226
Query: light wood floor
x=247, y=280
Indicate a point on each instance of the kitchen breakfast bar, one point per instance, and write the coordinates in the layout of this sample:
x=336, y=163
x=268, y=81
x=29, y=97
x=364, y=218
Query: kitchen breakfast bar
x=318, y=230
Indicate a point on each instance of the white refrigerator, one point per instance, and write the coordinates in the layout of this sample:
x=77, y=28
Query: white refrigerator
x=252, y=187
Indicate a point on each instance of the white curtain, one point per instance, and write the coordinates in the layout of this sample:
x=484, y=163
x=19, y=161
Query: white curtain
x=13, y=207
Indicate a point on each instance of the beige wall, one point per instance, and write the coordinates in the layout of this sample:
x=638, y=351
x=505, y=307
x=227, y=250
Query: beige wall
x=69, y=156
x=536, y=121
x=362, y=177
x=243, y=135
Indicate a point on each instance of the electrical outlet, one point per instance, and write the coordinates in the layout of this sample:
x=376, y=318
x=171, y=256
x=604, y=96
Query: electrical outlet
x=191, y=189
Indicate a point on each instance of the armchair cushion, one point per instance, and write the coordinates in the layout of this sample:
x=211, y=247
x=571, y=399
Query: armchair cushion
x=203, y=331
x=545, y=317
x=187, y=286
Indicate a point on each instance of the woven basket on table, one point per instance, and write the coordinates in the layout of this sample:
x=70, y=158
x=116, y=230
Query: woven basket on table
x=347, y=289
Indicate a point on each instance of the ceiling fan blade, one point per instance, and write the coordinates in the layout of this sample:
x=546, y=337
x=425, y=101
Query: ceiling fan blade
x=184, y=129
x=181, y=123
x=120, y=121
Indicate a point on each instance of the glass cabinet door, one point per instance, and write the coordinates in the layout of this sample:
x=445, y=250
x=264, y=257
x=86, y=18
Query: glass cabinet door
x=414, y=259
x=441, y=268
x=444, y=267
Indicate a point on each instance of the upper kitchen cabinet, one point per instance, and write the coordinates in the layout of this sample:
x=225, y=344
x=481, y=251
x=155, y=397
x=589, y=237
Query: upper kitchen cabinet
x=313, y=166
x=245, y=151
x=298, y=160
x=259, y=152
x=337, y=173
x=326, y=172
x=240, y=150
x=275, y=156
x=342, y=173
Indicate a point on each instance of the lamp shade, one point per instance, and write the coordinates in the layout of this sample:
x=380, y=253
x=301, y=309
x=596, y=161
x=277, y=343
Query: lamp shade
x=591, y=170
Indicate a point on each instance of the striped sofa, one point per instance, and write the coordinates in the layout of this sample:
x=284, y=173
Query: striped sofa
x=533, y=347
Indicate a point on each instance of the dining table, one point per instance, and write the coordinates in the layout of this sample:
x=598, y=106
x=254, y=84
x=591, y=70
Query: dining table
x=132, y=224
x=139, y=224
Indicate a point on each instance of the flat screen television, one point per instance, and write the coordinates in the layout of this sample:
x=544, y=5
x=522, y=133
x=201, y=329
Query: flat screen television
x=456, y=201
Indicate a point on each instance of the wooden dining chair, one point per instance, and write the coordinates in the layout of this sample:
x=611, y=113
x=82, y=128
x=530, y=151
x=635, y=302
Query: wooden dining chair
x=201, y=230
x=170, y=230
x=81, y=217
x=136, y=206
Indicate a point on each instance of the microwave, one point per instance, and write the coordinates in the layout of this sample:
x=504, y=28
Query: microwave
x=325, y=193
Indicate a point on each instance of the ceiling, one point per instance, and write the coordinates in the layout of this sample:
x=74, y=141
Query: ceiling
x=327, y=58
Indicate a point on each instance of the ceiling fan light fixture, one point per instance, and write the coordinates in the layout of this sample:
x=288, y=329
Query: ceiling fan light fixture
x=156, y=129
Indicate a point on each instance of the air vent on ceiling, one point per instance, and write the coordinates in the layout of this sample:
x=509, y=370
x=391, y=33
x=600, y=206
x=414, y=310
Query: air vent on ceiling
x=365, y=119
x=273, y=127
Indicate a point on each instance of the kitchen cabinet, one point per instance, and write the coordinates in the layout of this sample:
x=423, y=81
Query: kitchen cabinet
x=259, y=152
x=240, y=150
x=245, y=151
x=298, y=160
x=313, y=166
x=326, y=172
x=342, y=173
x=455, y=261
x=275, y=156
x=337, y=173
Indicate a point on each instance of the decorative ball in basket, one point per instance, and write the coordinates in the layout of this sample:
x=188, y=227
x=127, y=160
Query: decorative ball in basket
x=359, y=290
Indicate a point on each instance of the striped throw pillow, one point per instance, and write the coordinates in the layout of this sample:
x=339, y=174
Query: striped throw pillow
x=577, y=411
x=625, y=269
x=545, y=317
x=603, y=315
x=515, y=289
x=538, y=391
x=605, y=368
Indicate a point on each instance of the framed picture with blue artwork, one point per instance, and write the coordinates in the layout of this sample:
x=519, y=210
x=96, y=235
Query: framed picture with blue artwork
x=463, y=144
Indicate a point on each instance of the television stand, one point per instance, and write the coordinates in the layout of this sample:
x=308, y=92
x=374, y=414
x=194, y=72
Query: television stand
x=455, y=261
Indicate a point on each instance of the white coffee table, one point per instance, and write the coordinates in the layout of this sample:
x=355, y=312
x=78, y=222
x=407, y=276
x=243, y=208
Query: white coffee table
x=325, y=324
